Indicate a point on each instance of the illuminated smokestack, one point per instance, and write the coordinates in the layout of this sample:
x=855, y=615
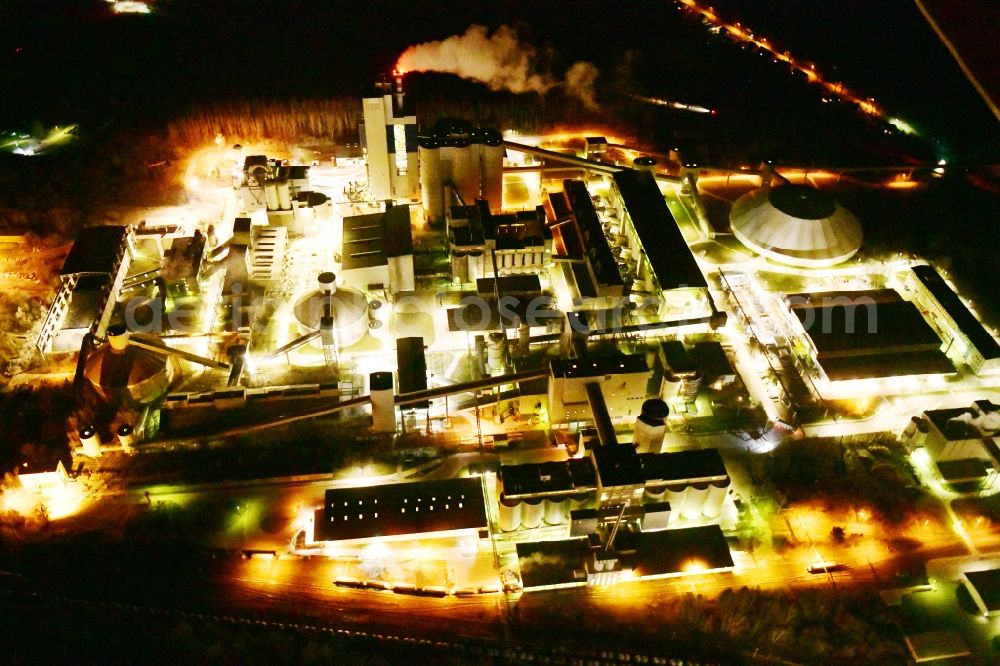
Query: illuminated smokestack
x=397, y=92
x=90, y=441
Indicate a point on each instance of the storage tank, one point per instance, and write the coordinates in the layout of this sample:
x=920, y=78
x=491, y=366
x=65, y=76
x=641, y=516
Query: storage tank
x=650, y=426
x=694, y=503
x=348, y=307
x=645, y=164
x=531, y=513
x=496, y=347
x=717, y=492
x=655, y=494
x=555, y=511
x=580, y=501
x=431, y=178
x=491, y=157
x=380, y=388
x=677, y=496
x=510, y=514
x=90, y=441
x=464, y=173
x=127, y=438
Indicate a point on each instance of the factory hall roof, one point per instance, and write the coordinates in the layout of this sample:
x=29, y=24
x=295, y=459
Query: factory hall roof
x=401, y=508
x=369, y=240
x=548, y=478
x=669, y=255
x=676, y=551
x=971, y=327
x=868, y=334
x=683, y=466
x=960, y=423
x=95, y=250
x=84, y=302
x=596, y=243
x=598, y=366
x=987, y=586
x=618, y=465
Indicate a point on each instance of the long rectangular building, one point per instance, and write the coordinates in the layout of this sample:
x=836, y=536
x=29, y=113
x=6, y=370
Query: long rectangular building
x=656, y=232
x=970, y=342
x=401, y=510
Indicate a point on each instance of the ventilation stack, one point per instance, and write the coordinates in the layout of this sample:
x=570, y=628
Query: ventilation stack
x=127, y=438
x=90, y=441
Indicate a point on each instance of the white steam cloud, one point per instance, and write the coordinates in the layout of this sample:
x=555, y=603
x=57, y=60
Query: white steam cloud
x=499, y=60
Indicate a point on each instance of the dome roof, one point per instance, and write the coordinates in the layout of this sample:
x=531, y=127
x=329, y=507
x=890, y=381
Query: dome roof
x=797, y=225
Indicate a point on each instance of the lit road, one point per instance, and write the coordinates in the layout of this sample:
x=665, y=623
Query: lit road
x=739, y=33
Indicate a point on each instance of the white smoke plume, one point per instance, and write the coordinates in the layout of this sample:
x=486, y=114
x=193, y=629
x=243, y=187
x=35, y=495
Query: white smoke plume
x=499, y=60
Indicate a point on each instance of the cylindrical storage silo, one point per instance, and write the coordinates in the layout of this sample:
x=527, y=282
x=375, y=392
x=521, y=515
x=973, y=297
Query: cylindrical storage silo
x=555, y=510
x=510, y=514
x=716, y=498
x=580, y=501
x=650, y=426
x=491, y=156
x=463, y=171
x=460, y=267
x=271, y=193
x=694, y=504
x=127, y=438
x=645, y=164
x=380, y=388
x=90, y=441
x=690, y=386
x=655, y=494
x=284, y=195
x=495, y=348
x=531, y=513
x=431, y=190
x=677, y=496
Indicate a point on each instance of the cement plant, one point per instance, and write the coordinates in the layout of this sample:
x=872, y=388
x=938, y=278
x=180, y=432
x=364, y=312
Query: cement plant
x=447, y=387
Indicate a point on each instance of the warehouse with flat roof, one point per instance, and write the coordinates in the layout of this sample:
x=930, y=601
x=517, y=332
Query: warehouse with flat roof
x=397, y=510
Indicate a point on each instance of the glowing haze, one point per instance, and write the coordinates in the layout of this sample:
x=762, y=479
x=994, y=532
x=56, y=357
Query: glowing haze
x=500, y=60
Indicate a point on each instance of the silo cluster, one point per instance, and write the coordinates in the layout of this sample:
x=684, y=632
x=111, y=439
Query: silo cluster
x=536, y=512
x=457, y=155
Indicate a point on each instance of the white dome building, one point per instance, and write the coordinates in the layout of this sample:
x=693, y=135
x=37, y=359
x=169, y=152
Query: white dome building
x=796, y=225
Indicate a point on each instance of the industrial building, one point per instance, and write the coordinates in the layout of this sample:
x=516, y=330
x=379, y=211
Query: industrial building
x=796, y=225
x=621, y=380
x=90, y=280
x=584, y=251
x=586, y=494
x=453, y=507
x=866, y=334
x=967, y=340
x=963, y=442
x=377, y=251
x=550, y=565
x=483, y=243
x=389, y=142
x=665, y=267
x=984, y=588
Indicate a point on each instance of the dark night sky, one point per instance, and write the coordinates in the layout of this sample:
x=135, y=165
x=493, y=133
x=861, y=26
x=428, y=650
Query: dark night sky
x=64, y=61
